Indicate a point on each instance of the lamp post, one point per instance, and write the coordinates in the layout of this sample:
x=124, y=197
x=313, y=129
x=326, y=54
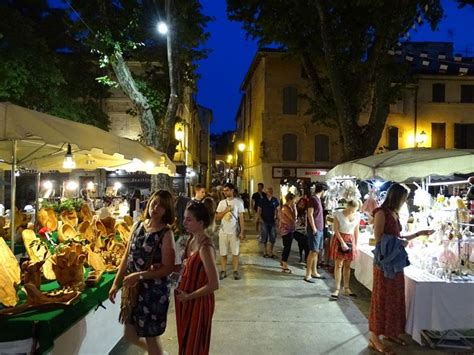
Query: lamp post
x=420, y=139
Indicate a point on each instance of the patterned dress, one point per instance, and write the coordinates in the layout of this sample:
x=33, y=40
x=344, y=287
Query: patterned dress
x=335, y=247
x=387, y=305
x=194, y=318
x=149, y=316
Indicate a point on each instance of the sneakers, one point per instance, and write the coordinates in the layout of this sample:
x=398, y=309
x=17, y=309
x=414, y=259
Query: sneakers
x=222, y=275
x=236, y=275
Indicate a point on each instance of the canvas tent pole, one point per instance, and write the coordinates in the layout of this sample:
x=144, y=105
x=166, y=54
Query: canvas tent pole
x=38, y=188
x=13, y=196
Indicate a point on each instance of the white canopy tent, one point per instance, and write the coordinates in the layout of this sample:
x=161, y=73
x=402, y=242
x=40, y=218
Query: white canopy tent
x=38, y=141
x=408, y=164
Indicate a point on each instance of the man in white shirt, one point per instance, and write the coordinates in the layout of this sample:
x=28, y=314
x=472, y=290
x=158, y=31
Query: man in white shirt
x=230, y=212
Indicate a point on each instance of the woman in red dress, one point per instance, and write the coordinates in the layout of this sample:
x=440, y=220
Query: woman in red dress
x=194, y=295
x=387, y=307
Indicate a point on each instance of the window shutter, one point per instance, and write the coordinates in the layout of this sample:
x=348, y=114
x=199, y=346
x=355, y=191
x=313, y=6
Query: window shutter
x=290, y=150
x=290, y=100
x=321, y=147
x=438, y=92
x=393, y=138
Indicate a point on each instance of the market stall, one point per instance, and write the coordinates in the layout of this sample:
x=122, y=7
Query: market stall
x=74, y=252
x=439, y=285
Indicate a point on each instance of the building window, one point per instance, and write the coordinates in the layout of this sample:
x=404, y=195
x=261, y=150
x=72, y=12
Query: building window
x=392, y=138
x=438, y=92
x=467, y=93
x=463, y=134
x=321, y=147
x=290, y=147
x=290, y=100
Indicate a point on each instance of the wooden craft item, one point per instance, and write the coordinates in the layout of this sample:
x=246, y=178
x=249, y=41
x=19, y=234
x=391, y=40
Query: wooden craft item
x=95, y=260
x=69, y=217
x=109, y=224
x=10, y=275
x=68, y=266
x=38, y=252
x=47, y=218
x=94, y=277
x=86, y=213
x=66, y=232
x=129, y=220
x=35, y=299
x=124, y=231
x=31, y=272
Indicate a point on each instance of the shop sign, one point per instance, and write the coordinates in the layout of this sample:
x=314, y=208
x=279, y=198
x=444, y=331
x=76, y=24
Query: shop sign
x=308, y=173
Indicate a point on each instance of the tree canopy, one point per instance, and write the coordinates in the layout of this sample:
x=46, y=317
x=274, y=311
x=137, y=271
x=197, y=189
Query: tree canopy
x=42, y=69
x=343, y=47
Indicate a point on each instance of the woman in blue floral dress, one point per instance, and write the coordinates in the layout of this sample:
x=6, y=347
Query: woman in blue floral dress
x=151, y=243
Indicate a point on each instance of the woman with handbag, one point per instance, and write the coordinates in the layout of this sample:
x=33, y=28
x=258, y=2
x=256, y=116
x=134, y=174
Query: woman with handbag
x=146, y=290
x=343, y=245
x=387, y=304
x=194, y=296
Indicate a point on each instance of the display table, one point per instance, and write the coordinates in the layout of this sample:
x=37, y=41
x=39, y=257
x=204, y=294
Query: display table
x=431, y=303
x=66, y=330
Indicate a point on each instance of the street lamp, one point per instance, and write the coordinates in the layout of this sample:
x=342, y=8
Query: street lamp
x=162, y=28
x=241, y=147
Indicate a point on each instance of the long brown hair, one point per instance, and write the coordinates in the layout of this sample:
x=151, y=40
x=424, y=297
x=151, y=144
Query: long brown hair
x=395, y=195
x=166, y=201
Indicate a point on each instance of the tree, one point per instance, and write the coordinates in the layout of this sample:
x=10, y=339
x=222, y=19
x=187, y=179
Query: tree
x=343, y=47
x=36, y=70
x=121, y=30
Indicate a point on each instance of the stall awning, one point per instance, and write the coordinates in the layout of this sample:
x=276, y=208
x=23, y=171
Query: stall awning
x=42, y=141
x=408, y=164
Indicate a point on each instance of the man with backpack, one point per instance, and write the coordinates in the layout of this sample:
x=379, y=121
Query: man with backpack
x=230, y=212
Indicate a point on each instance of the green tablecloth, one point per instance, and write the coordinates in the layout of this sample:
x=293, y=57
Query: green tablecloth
x=51, y=324
x=19, y=247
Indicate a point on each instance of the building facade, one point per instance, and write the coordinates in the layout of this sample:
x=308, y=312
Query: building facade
x=192, y=128
x=281, y=143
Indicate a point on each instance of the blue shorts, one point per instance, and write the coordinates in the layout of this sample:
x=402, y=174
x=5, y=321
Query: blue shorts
x=267, y=233
x=315, y=240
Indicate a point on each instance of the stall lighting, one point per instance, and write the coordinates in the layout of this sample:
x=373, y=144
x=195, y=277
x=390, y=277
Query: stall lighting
x=69, y=162
x=90, y=185
x=71, y=185
x=149, y=165
x=179, y=134
x=48, y=185
x=117, y=186
x=378, y=183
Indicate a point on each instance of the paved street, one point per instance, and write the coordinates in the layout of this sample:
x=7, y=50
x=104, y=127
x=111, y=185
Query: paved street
x=268, y=312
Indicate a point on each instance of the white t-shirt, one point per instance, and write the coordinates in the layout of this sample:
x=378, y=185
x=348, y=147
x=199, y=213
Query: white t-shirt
x=230, y=220
x=345, y=225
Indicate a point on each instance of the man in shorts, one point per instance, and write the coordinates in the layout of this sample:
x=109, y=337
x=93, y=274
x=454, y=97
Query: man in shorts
x=315, y=232
x=230, y=212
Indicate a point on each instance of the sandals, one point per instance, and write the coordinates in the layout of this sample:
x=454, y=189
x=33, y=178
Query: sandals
x=222, y=275
x=348, y=292
x=320, y=277
x=383, y=350
x=397, y=341
x=335, y=295
x=286, y=270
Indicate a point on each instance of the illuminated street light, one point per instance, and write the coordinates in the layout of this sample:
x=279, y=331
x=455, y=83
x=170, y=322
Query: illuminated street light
x=241, y=147
x=162, y=28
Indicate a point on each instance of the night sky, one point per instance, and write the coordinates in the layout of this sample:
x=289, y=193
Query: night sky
x=223, y=72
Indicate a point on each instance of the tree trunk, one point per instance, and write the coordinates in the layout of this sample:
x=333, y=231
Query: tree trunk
x=127, y=83
x=163, y=136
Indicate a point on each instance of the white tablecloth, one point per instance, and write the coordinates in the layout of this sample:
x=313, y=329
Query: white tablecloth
x=431, y=303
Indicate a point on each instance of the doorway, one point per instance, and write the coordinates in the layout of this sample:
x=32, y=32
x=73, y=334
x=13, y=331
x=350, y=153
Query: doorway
x=438, y=135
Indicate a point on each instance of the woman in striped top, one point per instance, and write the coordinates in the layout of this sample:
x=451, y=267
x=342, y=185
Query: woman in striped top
x=195, y=293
